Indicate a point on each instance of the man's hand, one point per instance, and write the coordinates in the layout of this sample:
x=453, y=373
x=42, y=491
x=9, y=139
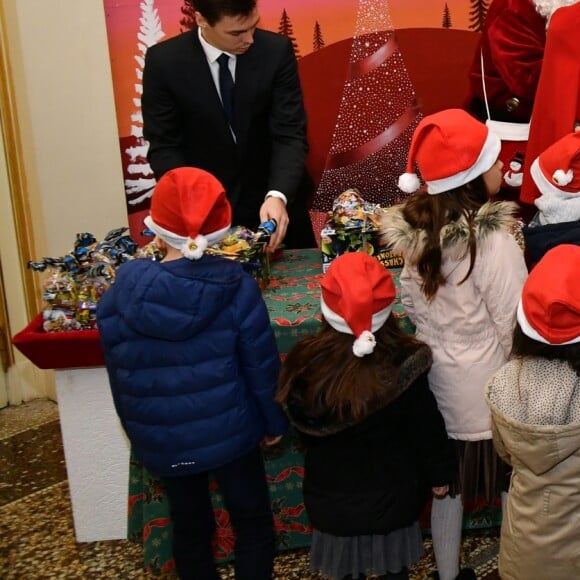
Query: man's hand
x=275, y=208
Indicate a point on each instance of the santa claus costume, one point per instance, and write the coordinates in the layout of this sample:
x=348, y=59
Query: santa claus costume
x=505, y=71
x=556, y=109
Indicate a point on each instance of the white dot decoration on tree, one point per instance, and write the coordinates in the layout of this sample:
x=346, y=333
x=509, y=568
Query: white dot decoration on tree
x=377, y=115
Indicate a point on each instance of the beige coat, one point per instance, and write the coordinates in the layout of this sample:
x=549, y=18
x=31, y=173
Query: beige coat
x=535, y=408
x=468, y=326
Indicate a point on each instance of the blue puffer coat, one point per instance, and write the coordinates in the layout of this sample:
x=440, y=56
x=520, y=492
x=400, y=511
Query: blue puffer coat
x=192, y=362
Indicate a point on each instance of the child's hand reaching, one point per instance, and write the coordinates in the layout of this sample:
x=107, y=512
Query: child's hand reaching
x=269, y=441
x=440, y=492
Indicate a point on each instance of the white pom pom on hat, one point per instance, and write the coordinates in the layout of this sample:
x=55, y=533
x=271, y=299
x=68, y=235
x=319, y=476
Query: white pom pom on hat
x=187, y=206
x=450, y=148
x=357, y=296
x=549, y=308
x=557, y=169
x=409, y=182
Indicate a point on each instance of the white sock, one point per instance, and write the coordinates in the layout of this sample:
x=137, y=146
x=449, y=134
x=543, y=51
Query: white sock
x=504, y=498
x=446, y=525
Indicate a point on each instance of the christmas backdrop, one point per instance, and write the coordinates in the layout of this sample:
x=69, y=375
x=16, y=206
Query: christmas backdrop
x=369, y=70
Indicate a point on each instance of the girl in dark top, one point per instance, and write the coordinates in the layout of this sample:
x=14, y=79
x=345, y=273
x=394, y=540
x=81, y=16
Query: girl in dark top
x=374, y=439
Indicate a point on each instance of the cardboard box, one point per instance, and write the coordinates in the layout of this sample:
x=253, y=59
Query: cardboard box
x=335, y=241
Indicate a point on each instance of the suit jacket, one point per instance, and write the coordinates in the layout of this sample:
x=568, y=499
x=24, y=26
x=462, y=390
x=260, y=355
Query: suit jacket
x=185, y=124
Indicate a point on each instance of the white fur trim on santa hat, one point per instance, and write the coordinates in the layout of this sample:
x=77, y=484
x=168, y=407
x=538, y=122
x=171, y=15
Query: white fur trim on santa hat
x=339, y=323
x=485, y=161
x=171, y=239
x=178, y=242
x=531, y=332
x=555, y=205
x=215, y=237
x=509, y=131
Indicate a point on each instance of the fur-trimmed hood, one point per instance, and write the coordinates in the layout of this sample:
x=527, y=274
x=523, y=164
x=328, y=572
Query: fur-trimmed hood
x=402, y=239
x=323, y=421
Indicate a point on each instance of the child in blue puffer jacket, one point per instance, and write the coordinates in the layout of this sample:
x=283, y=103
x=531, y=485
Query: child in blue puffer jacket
x=193, y=367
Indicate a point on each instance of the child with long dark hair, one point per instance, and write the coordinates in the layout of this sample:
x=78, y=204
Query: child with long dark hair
x=374, y=439
x=535, y=405
x=461, y=282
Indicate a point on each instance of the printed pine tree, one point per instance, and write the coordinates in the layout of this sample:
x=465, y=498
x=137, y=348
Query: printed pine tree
x=188, y=11
x=139, y=186
x=477, y=14
x=285, y=28
x=446, y=17
x=318, y=41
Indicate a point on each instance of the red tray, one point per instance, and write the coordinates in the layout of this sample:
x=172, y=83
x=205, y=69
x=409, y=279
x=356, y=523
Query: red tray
x=59, y=350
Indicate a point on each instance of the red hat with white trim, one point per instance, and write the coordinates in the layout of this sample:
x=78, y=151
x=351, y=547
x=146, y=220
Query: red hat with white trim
x=557, y=169
x=549, y=309
x=189, y=210
x=450, y=148
x=357, y=296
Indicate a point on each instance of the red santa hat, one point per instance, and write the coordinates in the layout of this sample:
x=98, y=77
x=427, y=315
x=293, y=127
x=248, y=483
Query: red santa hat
x=357, y=296
x=450, y=149
x=557, y=169
x=549, y=309
x=189, y=210
x=556, y=172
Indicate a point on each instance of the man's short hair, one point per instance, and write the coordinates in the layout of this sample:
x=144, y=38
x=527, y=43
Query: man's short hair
x=214, y=10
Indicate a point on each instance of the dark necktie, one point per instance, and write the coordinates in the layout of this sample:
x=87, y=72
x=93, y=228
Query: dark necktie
x=226, y=87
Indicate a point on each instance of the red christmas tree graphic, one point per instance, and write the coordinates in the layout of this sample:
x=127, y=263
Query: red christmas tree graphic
x=376, y=118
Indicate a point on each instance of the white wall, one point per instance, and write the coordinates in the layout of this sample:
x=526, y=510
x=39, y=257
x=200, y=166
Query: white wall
x=59, y=63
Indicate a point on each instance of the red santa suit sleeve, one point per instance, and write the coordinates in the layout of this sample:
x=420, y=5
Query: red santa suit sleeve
x=512, y=44
x=557, y=104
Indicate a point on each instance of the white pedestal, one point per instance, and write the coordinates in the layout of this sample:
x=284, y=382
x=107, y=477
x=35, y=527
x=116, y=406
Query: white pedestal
x=96, y=452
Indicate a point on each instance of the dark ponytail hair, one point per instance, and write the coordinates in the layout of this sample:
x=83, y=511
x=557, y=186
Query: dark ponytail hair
x=431, y=213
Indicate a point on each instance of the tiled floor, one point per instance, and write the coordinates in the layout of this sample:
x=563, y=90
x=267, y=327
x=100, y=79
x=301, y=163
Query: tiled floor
x=36, y=528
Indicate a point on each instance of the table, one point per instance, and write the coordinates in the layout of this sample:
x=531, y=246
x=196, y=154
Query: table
x=96, y=448
x=293, y=302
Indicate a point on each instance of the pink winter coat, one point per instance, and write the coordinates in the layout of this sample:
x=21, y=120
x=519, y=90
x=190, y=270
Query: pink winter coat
x=468, y=326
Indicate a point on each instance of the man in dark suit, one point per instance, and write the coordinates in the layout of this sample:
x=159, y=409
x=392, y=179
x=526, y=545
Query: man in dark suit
x=242, y=121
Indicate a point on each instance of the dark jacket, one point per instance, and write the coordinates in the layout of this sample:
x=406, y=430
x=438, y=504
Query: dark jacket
x=192, y=362
x=541, y=238
x=374, y=476
x=185, y=124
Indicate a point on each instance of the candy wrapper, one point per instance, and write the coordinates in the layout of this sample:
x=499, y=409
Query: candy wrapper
x=249, y=248
x=77, y=280
x=350, y=211
x=353, y=226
